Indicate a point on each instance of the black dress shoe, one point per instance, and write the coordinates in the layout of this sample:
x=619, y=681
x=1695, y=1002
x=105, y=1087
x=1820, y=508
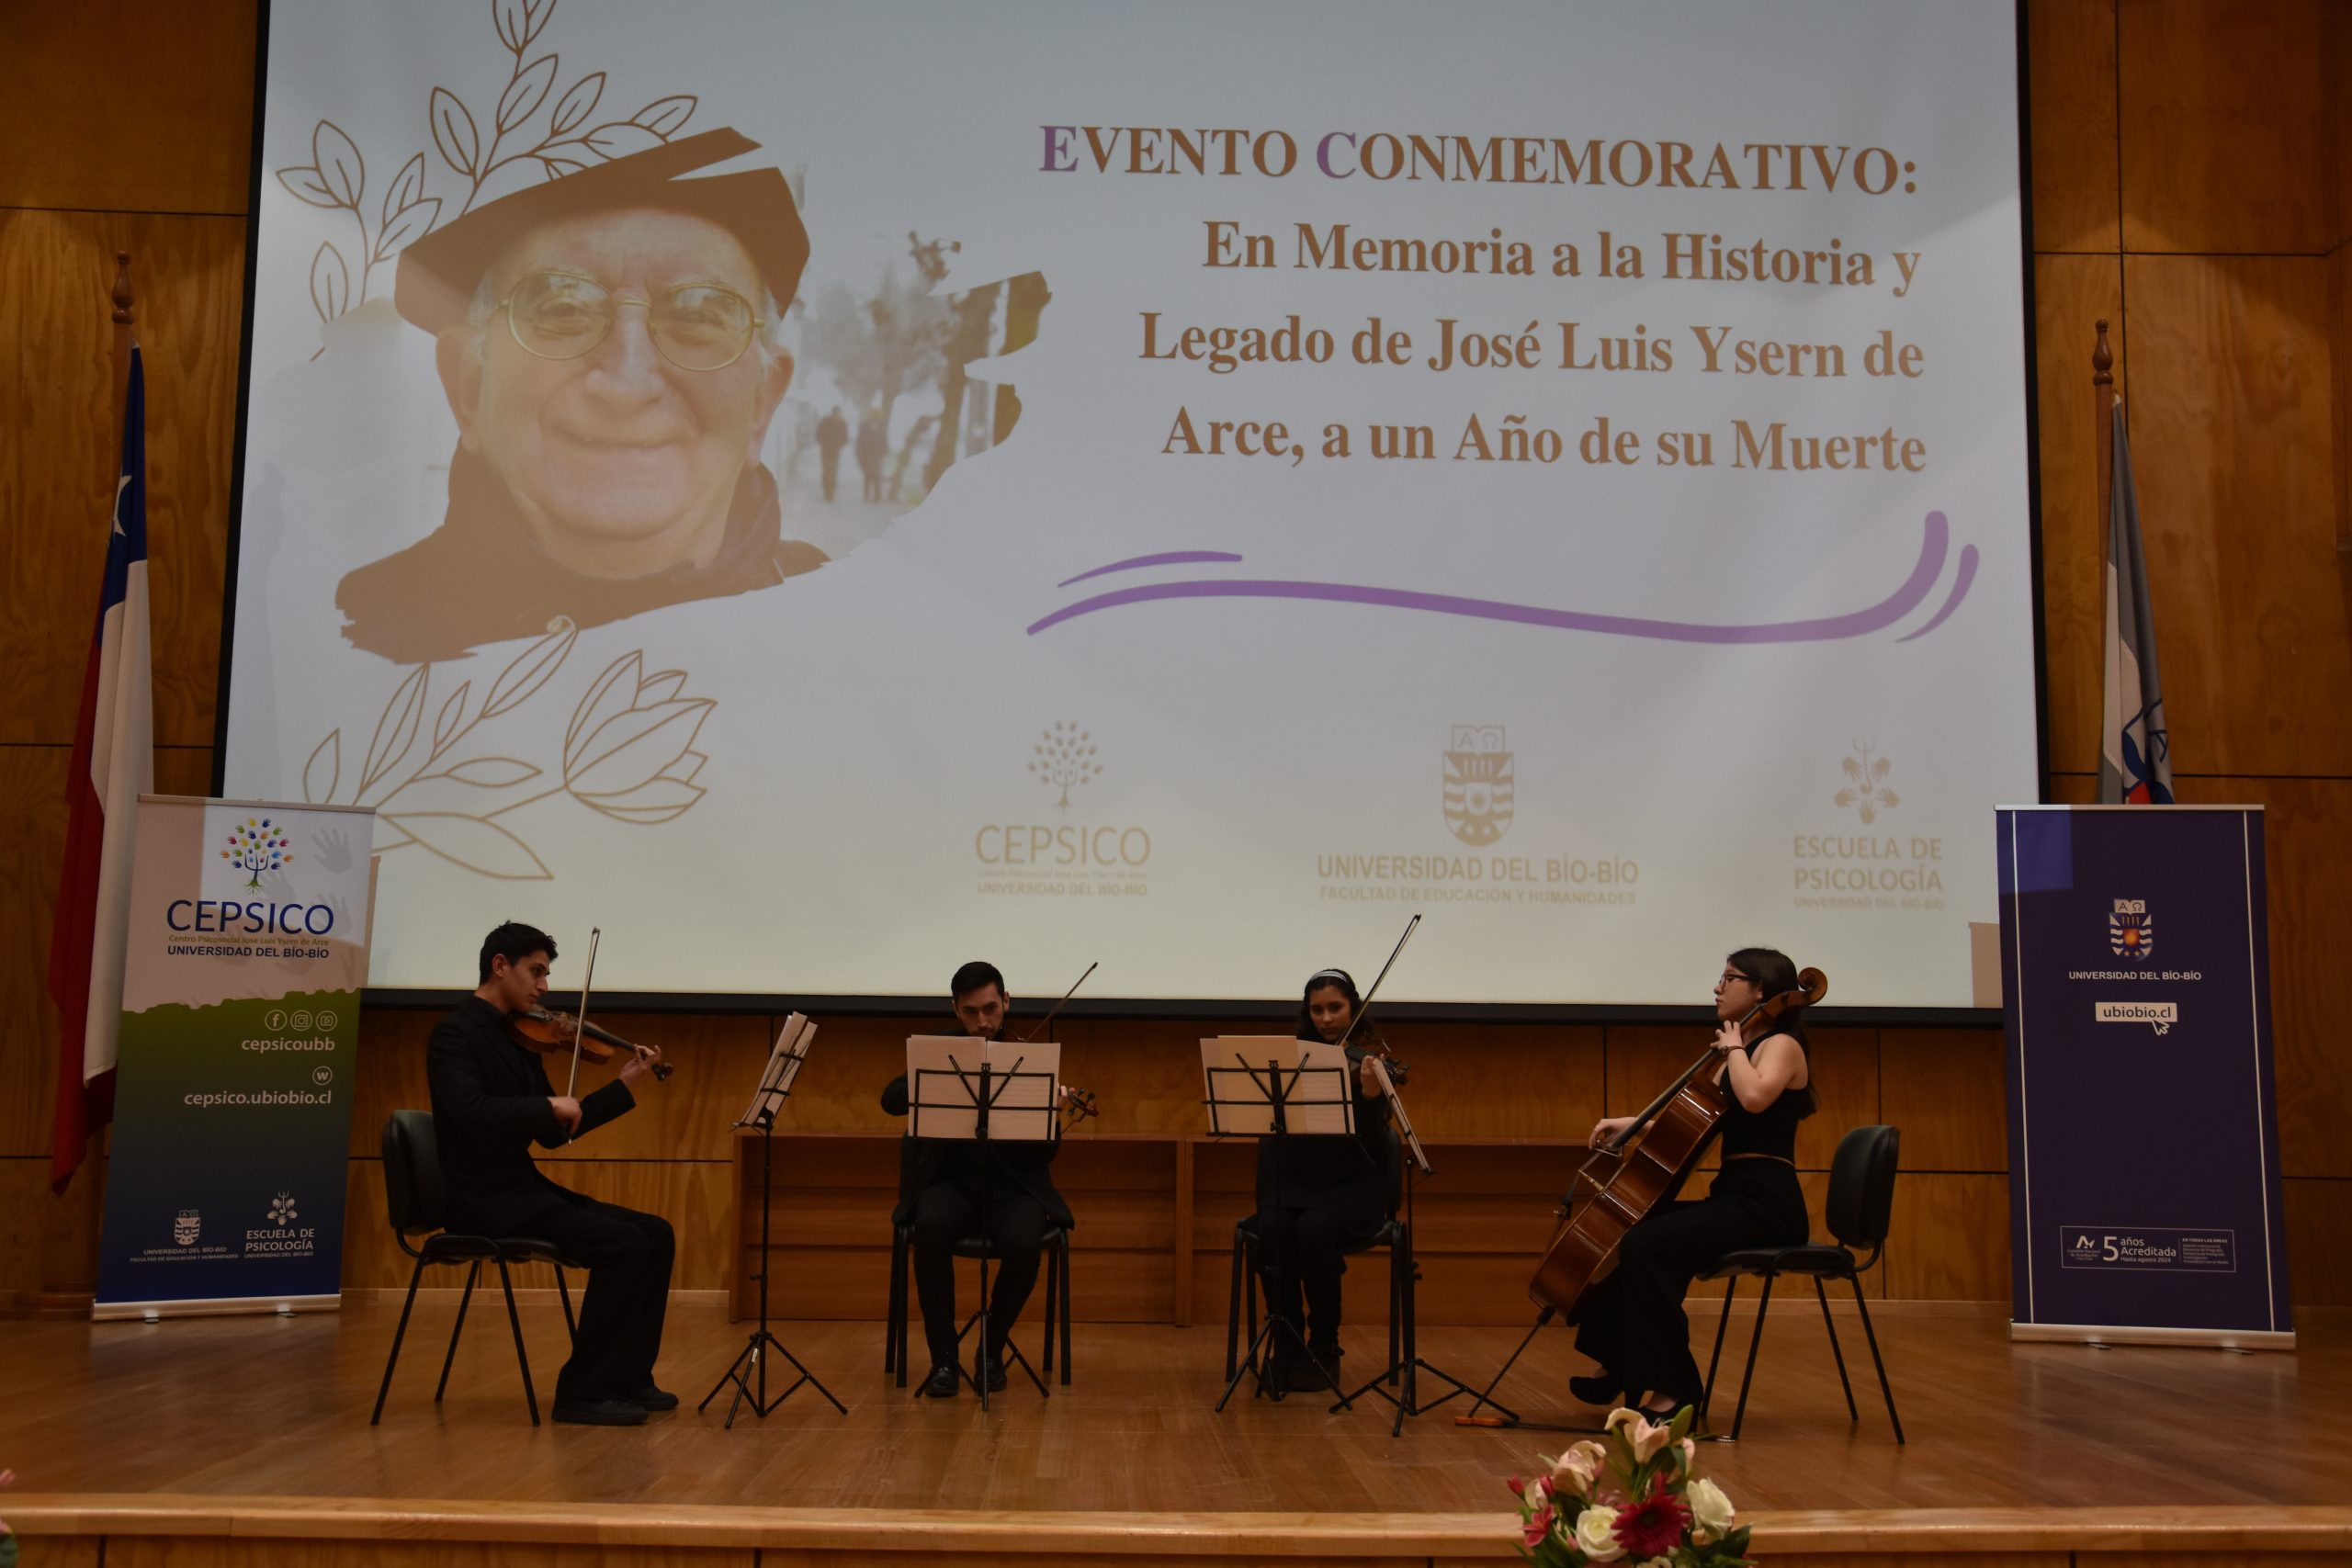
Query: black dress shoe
x=944, y=1382
x=1597, y=1388
x=1305, y=1376
x=600, y=1412
x=992, y=1368
x=654, y=1398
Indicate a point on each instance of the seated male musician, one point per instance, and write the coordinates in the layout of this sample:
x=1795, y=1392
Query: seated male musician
x=949, y=1194
x=491, y=1099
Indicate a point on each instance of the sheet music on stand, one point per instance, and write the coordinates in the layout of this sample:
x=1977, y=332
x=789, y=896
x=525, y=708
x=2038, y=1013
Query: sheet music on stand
x=944, y=1093
x=792, y=1042
x=1242, y=1072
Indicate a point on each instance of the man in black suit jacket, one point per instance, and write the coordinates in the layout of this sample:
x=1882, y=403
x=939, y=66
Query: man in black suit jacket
x=946, y=1193
x=491, y=1099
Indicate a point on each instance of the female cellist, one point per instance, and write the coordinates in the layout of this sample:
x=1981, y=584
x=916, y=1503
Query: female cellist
x=1634, y=1325
x=1319, y=1195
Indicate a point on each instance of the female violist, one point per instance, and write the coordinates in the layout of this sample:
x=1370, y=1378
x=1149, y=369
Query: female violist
x=1318, y=1196
x=1634, y=1325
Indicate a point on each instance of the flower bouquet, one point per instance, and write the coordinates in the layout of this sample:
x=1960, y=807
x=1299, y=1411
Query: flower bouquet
x=1637, y=1499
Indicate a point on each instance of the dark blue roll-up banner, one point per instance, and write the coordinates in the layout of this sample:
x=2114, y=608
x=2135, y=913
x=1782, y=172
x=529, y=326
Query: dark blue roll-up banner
x=2143, y=1124
x=248, y=945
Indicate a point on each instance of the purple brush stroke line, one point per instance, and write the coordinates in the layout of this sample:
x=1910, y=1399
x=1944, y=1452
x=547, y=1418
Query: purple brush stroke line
x=1166, y=558
x=1932, y=548
x=1966, y=575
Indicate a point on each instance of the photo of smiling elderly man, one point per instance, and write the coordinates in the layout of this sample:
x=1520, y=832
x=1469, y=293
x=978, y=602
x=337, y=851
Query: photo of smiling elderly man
x=606, y=343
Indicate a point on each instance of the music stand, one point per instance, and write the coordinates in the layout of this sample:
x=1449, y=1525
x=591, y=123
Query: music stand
x=983, y=1091
x=791, y=1049
x=1275, y=1087
x=1417, y=1163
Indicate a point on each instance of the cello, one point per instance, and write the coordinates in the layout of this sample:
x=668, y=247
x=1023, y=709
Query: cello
x=1675, y=1130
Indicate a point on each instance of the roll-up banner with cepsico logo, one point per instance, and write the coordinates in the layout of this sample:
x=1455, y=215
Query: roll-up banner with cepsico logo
x=247, y=949
x=2143, y=1119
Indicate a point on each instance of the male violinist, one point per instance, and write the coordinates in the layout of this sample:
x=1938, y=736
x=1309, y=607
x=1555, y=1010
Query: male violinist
x=948, y=1192
x=491, y=1099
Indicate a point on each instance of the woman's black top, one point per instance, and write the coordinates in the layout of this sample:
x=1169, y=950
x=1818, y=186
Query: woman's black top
x=1311, y=1171
x=1771, y=1131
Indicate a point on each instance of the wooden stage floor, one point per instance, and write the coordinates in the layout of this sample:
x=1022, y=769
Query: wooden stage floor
x=254, y=1408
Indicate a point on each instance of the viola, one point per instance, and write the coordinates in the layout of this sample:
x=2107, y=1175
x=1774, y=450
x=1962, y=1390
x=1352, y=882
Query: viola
x=1675, y=1130
x=543, y=1028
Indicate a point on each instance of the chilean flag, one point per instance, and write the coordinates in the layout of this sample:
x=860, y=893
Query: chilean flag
x=114, y=764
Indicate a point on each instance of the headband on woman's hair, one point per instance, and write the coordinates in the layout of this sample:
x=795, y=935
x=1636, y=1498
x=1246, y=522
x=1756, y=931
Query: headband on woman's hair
x=1340, y=974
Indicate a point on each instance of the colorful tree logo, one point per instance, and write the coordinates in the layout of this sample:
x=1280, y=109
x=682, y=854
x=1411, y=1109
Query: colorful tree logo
x=258, y=847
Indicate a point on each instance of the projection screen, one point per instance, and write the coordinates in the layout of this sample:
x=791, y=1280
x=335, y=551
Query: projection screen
x=825, y=491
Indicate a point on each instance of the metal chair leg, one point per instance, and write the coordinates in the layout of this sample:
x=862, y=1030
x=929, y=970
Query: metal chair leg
x=903, y=1244
x=564, y=1290
x=1756, y=1341
x=1233, y=1315
x=1883, y=1386
x=1053, y=1297
x=1064, y=1262
x=455, y=1329
x=1708, y=1398
x=897, y=1304
x=1396, y=1308
x=399, y=1334
x=514, y=1321
x=1843, y=1382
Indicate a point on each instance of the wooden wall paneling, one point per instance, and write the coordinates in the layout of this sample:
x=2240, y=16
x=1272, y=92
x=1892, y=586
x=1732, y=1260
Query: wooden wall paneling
x=2232, y=442
x=1947, y=1090
x=2070, y=52
x=839, y=1087
x=64, y=139
x=2319, y=1241
x=2308, y=830
x=61, y=440
x=25, y=1203
x=2225, y=117
x=389, y=1074
x=1845, y=1070
x=1145, y=1073
x=1502, y=1081
x=831, y=1226
x=32, y=793
x=2339, y=300
x=1950, y=1237
x=2069, y=295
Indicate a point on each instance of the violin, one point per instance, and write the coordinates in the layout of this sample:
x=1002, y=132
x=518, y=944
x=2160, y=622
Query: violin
x=1675, y=1130
x=542, y=1029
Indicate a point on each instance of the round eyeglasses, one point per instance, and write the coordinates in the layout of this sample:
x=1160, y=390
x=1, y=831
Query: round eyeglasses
x=696, y=326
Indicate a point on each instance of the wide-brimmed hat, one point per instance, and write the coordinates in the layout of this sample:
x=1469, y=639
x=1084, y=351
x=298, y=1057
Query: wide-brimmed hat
x=439, y=273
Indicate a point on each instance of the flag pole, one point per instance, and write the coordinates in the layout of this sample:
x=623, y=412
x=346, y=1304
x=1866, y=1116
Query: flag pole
x=68, y=1270
x=2103, y=401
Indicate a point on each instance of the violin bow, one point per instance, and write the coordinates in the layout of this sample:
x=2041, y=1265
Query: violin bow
x=1363, y=1009
x=580, y=1020
x=1074, y=984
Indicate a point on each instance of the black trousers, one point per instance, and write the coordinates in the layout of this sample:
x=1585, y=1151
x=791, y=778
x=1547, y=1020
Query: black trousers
x=944, y=1214
x=629, y=1257
x=1633, y=1322
x=1302, y=1246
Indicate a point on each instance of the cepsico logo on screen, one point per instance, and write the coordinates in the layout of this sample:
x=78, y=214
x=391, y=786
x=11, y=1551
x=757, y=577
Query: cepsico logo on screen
x=1478, y=783
x=1058, y=852
x=2131, y=930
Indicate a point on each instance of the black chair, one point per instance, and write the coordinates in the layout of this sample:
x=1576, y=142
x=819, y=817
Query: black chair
x=1242, y=1304
x=1057, y=1270
x=1862, y=1197
x=415, y=1202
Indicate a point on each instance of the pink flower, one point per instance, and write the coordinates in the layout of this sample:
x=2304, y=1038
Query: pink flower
x=1645, y=1436
x=1517, y=1487
x=1578, y=1468
x=1538, y=1525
